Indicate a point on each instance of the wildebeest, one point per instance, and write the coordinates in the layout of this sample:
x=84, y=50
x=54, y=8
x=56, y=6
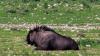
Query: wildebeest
x=45, y=38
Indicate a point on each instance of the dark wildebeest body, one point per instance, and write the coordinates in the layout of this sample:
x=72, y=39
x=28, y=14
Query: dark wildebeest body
x=45, y=38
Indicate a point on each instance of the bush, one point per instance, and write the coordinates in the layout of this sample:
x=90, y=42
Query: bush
x=84, y=42
x=86, y=4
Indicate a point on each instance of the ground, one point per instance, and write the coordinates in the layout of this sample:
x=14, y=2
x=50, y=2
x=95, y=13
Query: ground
x=12, y=43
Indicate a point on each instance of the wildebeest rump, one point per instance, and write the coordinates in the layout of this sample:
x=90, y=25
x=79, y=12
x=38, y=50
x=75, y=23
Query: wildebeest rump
x=45, y=38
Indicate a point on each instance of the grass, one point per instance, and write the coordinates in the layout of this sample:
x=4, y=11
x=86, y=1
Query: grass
x=73, y=12
x=12, y=43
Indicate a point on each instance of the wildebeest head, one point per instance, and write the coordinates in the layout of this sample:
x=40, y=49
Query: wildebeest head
x=28, y=37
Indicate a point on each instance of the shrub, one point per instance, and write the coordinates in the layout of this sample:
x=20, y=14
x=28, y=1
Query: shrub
x=85, y=42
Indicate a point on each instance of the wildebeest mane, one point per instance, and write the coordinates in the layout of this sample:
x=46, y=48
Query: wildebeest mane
x=41, y=28
x=44, y=28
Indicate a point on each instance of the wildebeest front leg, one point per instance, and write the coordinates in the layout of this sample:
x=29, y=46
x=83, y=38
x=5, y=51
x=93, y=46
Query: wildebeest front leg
x=42, y=47
x=38, y=48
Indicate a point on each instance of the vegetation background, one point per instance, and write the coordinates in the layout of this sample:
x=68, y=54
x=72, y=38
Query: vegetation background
x=79, y=19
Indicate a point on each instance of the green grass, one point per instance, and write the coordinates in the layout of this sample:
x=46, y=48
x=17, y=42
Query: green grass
x=12, y=43
x=76, y=12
